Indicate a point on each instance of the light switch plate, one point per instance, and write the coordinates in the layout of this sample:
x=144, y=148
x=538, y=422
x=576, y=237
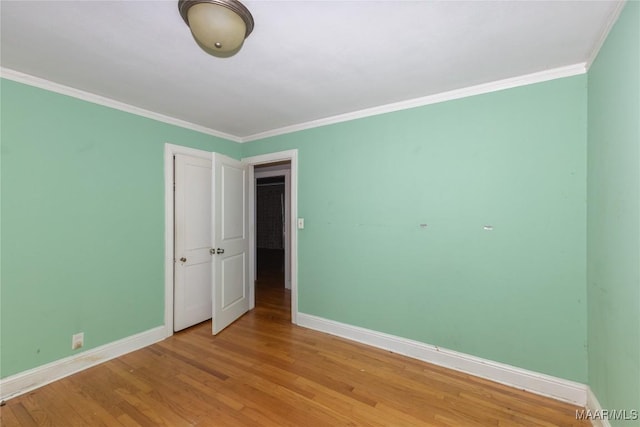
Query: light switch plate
x=300, y=223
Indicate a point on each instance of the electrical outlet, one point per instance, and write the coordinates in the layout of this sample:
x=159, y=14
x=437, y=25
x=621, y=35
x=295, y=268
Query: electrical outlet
x=77, y=341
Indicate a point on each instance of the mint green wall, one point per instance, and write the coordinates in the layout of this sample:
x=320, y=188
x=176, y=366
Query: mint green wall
x=82, y=223
x=614, y=216
x=514, y=159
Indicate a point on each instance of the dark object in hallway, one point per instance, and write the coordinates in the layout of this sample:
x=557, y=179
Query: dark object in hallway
x=270, y=266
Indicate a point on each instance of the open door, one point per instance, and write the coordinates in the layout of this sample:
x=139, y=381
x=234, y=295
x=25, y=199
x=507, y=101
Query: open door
x=231, y=241
x=193, y=241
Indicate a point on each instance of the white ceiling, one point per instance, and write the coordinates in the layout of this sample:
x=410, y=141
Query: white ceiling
x=304, y=61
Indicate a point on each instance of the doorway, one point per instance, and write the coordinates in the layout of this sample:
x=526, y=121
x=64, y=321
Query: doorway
x=281, y=273
x=270, y=231
x=272, y=243
x=291, y=156
x=273, y=218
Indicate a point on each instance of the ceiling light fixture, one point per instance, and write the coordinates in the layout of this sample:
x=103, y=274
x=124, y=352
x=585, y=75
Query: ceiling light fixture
x=218, y=26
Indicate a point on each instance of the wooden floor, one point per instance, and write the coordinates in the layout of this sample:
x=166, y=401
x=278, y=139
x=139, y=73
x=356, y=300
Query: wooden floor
x=263, y=371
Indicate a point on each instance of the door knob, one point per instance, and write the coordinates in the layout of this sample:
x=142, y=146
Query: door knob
x=220, y=251
x=183, y=259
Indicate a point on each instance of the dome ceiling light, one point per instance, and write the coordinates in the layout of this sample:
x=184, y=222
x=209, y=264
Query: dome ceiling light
x=218, y=26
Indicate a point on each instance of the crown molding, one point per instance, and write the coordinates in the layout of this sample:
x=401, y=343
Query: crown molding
x=41, y=83
x=613, y=18
x=527, y=79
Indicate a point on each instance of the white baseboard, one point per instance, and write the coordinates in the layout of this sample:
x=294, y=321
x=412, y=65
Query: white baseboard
x=26, y=381
x=594, y=406
x=545, y=385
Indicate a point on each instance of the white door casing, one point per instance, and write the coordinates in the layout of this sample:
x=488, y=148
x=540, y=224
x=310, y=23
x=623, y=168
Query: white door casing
x=193, y=241
x=231, y=241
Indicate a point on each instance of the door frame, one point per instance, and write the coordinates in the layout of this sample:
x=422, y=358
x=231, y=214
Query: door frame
x=281, y=156
x=171, y=150
x=289, y=155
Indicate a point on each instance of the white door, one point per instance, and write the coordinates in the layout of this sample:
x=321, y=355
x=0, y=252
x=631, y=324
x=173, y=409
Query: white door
x=231, y=239
x=193, y=241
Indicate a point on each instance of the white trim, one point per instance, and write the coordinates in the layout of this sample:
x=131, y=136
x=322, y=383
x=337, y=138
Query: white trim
x=26, y=381
x=605, y=33
x=545, y=385
x=542, y=76
x=253, y=259
x=527, y=79
x=594, y=406
x=292, y=156
x=171, y=150
x=41, y=83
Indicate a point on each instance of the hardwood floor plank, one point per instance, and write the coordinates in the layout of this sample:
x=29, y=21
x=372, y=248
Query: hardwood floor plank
x=92, y=413
x=264, y=371
x=8, y=416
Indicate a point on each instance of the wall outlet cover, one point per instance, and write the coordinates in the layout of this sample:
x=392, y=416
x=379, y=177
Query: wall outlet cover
x=77, y=341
